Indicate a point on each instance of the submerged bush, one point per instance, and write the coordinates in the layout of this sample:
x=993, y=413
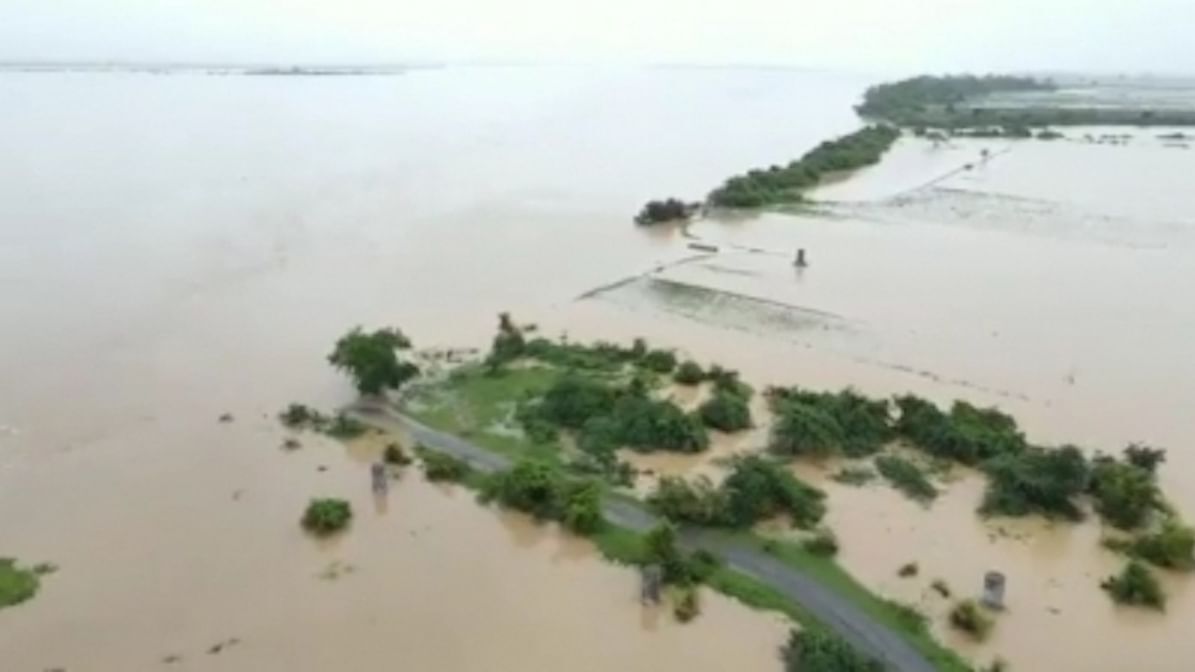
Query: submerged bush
x=1135, y=585
x=344, y=427
x=17, y=584
x=544, y=491
x=325, y=516
x=726, y=412
x=967, y=434
x=820, y=651
x=801, y=430
x=855, y=476
x=687, y=604
x=299, y=416
x=667, y=210
x=1125, y=495
x=1171, y=546
x=1036, y=480
x=659, y=361
x=862, y=425
x=969, y=617
x=758, y=488
x=439, y=466
x=395, y=455
x=689, y=373
x=824, y=542
x=697, y=502
x=906, y=477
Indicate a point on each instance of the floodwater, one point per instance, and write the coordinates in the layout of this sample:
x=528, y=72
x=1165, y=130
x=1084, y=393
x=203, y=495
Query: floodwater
x=175, y=247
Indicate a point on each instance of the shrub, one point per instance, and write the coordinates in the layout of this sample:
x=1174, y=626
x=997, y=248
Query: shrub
x=344, y=427
x=508, y=344
x=667, y=210
x=395, y=455
x=864, y=424
x=940, y=587
x=1125, y=495
x=1135, y=585
x=646, y=424
x=326, y=516
x=298, y=416
x=17, y=584
x=689, y=373
x=906, y=477
x=1171, y=546
x=442, y=466
x=687, y=605
x=582, y=507
x=758, y=488
x=1036, y=480
x=573, y=400
x=819, y=651
x=372, y=361
x=854, y=476
x=804, y=430
x=907, y=570
x=660, y=361
x=968, y=434
x=726, y=412
x=1144, y=457
x=970, y=618
x=824, y=543
x=697, y=502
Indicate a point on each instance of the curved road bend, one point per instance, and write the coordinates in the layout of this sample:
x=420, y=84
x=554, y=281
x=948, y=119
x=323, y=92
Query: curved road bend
x=837, y=613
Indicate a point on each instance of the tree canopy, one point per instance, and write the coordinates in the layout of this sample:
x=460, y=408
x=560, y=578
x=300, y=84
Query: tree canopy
x=372, y=359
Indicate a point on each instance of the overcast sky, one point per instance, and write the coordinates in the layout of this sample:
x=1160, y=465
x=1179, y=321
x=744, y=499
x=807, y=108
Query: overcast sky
x=870, y=35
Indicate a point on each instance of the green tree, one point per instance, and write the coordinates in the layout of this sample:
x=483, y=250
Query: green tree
x=1125, y=495
x=325, y=516
x=804, y=430
x=1135, y=585
x=372, y=361
x=820, y=651
x=726, y=412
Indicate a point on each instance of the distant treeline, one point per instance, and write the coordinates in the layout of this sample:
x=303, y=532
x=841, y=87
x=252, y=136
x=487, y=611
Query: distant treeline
x=957, y=101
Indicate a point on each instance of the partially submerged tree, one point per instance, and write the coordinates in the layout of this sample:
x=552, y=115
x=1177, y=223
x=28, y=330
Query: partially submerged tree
x=819, y=651
x=372, y=359
x=1135, y=585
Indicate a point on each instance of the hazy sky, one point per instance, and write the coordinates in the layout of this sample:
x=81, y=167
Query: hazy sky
x=873, y=35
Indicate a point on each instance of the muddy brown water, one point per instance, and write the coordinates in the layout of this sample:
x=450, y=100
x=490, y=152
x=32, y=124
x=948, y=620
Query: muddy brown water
x=175, y=247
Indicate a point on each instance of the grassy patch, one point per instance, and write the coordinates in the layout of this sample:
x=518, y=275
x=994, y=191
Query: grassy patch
x=17, y=584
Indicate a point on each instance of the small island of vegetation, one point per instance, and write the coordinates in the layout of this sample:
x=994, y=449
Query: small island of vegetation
x=667, y=210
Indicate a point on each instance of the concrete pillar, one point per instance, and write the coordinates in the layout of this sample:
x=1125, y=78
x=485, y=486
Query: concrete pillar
x=800, y=262
x=993, y=590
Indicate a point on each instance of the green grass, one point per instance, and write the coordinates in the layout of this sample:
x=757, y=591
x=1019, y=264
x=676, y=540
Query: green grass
x=475, y=405
x=17, y=584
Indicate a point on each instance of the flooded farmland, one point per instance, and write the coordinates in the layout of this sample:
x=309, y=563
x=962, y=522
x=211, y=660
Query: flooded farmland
x=178, y=247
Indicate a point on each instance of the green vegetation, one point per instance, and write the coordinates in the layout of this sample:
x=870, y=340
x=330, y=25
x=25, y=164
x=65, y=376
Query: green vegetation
x=299, y=416
x=1171, y=546
x=962, y=101
x=755, y=490
x=823, y=542
x=542, y=490
x=825, y=423
x=1125, y=494
x=907, y=570
x=609, y=416
x=855, y=476
x=344, y=427
x=1036, y=480
x=778, y=185
x=967, y=434
x=17, y=584
x=689, y=373
x=907, y=477
x=970, y=618
x=1135, y=585
x=726, y=411
x=667, y=210
x=395, y=456
x=659, y=361
x=326, y=516
x=372, y=360
x=686, y=604
x=1144, y=457
x=819, y=651
x=439, y=466
x=940, y=587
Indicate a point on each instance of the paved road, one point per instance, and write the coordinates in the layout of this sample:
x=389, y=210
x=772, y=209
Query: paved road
x=837, y=613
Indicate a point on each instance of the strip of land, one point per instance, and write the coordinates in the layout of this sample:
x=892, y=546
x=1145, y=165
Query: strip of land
x=828, y=608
